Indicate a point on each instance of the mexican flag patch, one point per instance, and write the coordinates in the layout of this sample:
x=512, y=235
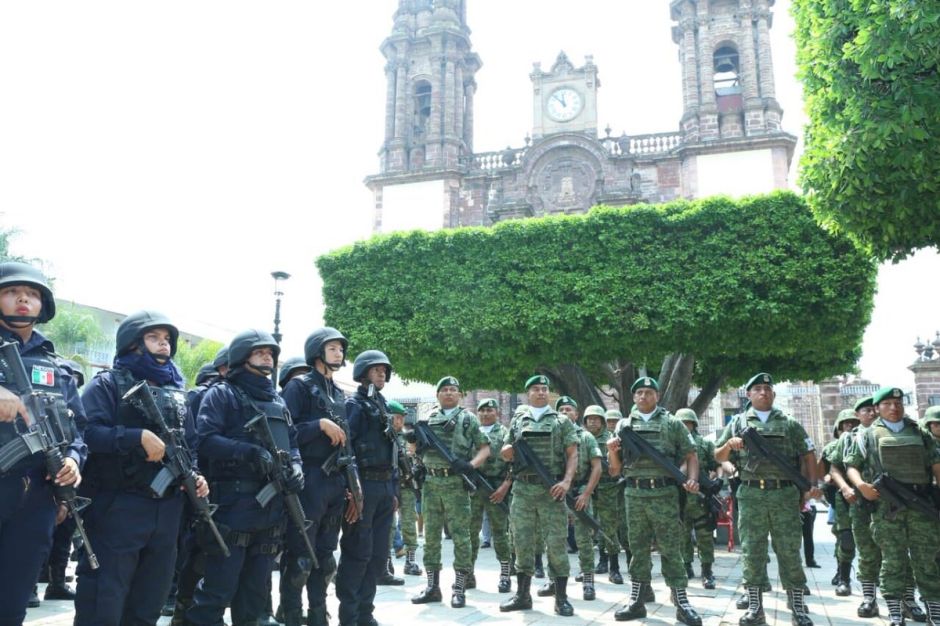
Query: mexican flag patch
x=44, y=376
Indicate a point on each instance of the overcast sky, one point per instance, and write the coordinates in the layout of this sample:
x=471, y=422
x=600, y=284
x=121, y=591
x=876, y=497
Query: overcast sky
x=171, y=155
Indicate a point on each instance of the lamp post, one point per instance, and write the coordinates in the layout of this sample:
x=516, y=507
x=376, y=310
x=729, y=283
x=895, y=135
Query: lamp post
x=278, y=277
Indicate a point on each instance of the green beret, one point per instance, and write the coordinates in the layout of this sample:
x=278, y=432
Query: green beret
x=884, y=393
x=687, y=415
x=861, y=404
x=448, y=380
x=613, y=414
x=395, y=408
x=759, y=379
x=538, y=379
x=489, y=403
x=845, y=415
x=645, y=382
x=594, y=409
x=563, y=400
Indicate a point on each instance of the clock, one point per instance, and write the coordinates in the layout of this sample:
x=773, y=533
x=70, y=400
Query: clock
x=564, y=104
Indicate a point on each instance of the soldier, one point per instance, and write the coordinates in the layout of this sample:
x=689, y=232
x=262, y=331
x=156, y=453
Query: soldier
x=496, y=470
x=895, y=446
x=239, y=466
x=318, y=409
x=697, y=519
x=364, y=544
x=769, y=501
x=290, y=369
x=930, y=422
x=612, y=511
x=28, y=511
x=555, y=443
x=842, y=526
x=134, y=532
x=444, y=498
x=409, y=482
x=652, y=499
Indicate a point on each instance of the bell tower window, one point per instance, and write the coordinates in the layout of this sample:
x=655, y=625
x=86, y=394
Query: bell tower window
x=422, y=108
x=727, y=77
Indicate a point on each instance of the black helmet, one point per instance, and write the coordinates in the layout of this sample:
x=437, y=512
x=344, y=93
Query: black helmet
x=130, y=332
x=14, y=273
x=313, y=346
x=206, y=374
x=366, y=360
x=290, y=365
x=248, y=340
x=221, y=358
x=76, y=371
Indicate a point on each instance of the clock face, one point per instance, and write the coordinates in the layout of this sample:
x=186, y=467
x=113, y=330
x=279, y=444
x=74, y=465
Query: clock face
x=564, y=104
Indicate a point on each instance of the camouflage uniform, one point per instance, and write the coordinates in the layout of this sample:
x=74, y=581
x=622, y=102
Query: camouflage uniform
x=842, y=525
x=609, y=504
x=584, y=535
x=695, y=516
x=495, y=470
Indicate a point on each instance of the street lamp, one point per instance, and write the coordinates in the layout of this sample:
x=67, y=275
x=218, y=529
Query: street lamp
x=278, y=277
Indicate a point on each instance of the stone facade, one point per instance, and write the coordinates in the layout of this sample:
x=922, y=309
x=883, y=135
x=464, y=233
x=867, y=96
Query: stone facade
x=926, y=375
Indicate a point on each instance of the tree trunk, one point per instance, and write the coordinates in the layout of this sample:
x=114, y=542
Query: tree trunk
x=570, y=379
x=708, y=393
x=675, y=379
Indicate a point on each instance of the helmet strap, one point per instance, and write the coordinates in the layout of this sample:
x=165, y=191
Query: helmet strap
x=19, y=321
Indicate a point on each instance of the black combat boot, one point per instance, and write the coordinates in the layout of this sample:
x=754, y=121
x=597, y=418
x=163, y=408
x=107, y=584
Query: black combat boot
x=411, y=566
x=588, y=586
x=614, y=575
x=708, y=577
x=601, y=559
x=845, y=583
x=909, y=606
x=547, y=590
x=432, y=593
x=471, y=580
x=505, y=582
x=895, y=614
x=539, y=569
x=799, y=614
x=562, y=606
x=57, y=589
x=522, y=600
x=317, y=616
x=754, y=616
x=933, y=613
x=869, y=605
x=648, y=594
x=179, y=611
x=684, y=611
x=293, y=617
x=458, y=599
x=689, y=572
x=34, y=598
x=635, y=608
x=835, y=579
x=742, y=602
x=388, y=576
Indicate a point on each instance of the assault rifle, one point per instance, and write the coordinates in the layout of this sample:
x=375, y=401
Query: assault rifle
x=524, y=457
x=427, y=438
x=900, y=496
x=760, y=450
x=279, y=476
x=48, y=433
x=344, y=460
x=411, y=472
x=177, y=460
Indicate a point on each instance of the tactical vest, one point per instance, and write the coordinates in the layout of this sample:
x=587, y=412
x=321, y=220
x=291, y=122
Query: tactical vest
x=777, y=433
x=132, y=471
x=454, y=431
x=319, y=405
x=654, y=432
x=373, y=448
x=903, y=455
x=543, y=437
x=495, y=466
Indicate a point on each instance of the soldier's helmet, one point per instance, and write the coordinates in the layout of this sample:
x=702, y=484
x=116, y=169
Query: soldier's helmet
x=313, y=346
x=366, y=360
x=242, y=345
x=131, y=330
x=289, y=367
x=844, y=416
x=15, y=273
x=932, y=414
x=687, y=415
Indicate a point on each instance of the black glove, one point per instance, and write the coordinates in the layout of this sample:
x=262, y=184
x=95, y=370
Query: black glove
x=295, y=482
x=461, y=467
x=262, y=460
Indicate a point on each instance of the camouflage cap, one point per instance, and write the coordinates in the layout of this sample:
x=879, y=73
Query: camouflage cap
x=488, y=403
x=396, y=408
x=759, y=379
x=886, y=393
x=448, y=380
x=932, y=414
x=563, y=400
x=687, y=415
x=613, y=414
x=594, y=409
x=538, y=379
x=644, y=382
x=845, y=415
x=864, y=402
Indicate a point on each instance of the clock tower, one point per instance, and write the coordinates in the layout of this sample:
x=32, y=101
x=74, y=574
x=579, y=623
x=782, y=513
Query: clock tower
x=565, y=98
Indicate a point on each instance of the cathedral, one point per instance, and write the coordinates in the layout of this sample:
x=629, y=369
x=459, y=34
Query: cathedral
x=430, y=177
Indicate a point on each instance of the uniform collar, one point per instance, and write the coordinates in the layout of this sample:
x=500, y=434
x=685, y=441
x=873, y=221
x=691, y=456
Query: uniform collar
x=35, y=340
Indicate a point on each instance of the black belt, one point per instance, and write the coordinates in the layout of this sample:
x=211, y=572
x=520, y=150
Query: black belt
x=650, y=483
x=768, y=483
x=532, y=479
x=439, y=472
x=374, y=474
x=221, y=487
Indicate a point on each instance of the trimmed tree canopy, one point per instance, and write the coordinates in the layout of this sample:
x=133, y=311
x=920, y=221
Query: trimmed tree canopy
x=742, y=285
x=872, y=161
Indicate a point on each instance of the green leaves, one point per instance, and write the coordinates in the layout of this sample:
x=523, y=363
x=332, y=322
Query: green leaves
x=743, y=285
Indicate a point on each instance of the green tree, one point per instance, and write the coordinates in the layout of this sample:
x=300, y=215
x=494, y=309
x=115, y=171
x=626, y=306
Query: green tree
x=871, y=166
x=74, y=331
x=191, y=358
x=708, y=291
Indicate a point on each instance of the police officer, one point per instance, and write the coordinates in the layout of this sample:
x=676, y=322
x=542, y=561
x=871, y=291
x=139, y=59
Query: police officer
x=835, y=481
x=134, y=530
x=409, y=481
x=444, y=500
x=555, y=442
x=364, y=544
x=652, y=499
x=894, y=445
x=318, y=409
x=697, y=519
x=496, y=471
x=239, y=466
x=769, y=503
x=28, y=512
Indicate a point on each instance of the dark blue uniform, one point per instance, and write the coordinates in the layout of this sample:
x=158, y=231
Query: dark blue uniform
x=27, y=506
x=365, y=543
x=253, y=533
x=133, y=532
x=310, y=399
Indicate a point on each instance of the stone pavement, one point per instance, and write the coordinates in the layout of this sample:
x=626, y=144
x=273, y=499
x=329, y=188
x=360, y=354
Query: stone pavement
x=716, y=607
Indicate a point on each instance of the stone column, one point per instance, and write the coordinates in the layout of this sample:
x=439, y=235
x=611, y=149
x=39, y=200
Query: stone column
x=391, y=80
x=767, y=89
x=830, y=401
x=926, y=384
x=468, y=116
